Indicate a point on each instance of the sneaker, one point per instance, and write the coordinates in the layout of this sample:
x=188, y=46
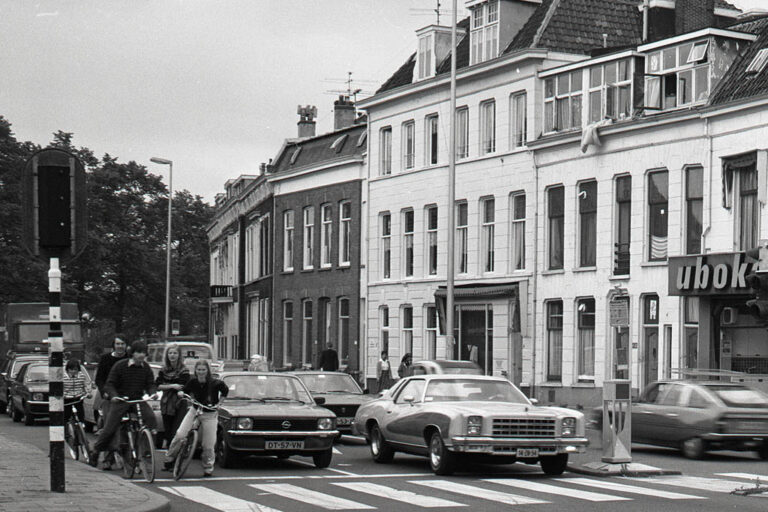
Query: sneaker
x=207, y=474
x=93, y=458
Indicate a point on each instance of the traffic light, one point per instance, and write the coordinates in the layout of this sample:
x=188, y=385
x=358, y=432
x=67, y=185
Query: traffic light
x=758, y=281
x=55, y=215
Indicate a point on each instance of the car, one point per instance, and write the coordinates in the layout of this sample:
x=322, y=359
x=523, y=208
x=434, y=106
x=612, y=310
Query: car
x=341, y=393
x=698, y=416
x=11, y=368
x=445, y=366
x=29, y=392
x=274, y=414
x=452, y=418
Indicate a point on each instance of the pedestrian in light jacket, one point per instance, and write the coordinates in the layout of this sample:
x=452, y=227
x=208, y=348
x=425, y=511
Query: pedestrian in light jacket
x=171, y=379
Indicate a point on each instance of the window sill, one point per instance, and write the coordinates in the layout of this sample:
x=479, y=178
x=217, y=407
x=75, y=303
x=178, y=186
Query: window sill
x=585, y=269
x=307, y=270
x=286, y=272
x=663, y=263
x=584, y=384
x=325, y=269
x=553, y=272
x=551, y=384
x=345, y=265
x=622, y=277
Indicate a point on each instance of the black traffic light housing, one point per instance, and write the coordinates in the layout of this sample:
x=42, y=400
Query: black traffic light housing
x=758, y=281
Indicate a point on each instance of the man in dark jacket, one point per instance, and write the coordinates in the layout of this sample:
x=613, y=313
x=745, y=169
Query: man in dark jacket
x=107, y=361
x=329, y=359
x=130, y=379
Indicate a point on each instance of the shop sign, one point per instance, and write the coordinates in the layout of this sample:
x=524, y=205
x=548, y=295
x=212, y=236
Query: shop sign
x=709, y=274
x=618, y=309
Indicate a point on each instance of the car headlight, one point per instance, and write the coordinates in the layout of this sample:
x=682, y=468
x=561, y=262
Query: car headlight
x=38, y=397
x=568, y=427
x=244, y=423
x=474, y=425
x=325, y=424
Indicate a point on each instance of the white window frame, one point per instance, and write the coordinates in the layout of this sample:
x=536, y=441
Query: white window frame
x=306, y=331
x=409, y=239
x=518, y=122
x=385, y=149
x=580, y=356
x=484, y=32
x=326, y=235
x=431, y=122
x=308, y=215
x=462, y=132
x=682, y=62
x=603, y=91
x=430, y=331
x=488, y=235
x=487, y=131
x=344, y=342
x=556, y=91
x=345, y=233
x=409, y=144
x=431, y=240
x=264, y=245
x=426, y=68
x=515, y=223
x=385, y=222
x=462, y=238
x=289, y=228
x=406, y=331
x=287, y=336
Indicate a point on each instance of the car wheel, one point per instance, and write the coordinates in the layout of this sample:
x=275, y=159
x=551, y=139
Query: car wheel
x=29, y=420
x=762, y=452
x=10, y=409
x=323, y=459
x=693, y=448
x=226, y=458
x=555, y=464
x=15, y=413
x=441, y=460
x=381, y=451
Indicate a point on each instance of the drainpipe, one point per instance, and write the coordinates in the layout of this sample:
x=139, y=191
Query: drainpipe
x=534, y=300
x=708, y=220
x=645, y=20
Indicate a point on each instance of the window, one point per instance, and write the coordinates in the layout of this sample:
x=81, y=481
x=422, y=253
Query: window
x=306, y=332
x=758, y=62
x=462, y=132
x=385, y=141
x=694, y=207
x=488, y=231
x=431, y=155
x=407, y=330
x=517, y=233
x=610, y=91
x=309, y=236
x=487, y=127
x=431, y=214
x=556, y=209
x=623, y=225
x=265, y=251
x=426, y=68
x=677, y=76
x=326, y=320
x=430, y=332
x=345, y=232
x=326, y=234
x=586, y=350
x=414, y=388
x=384, y=325
x=288, y=240
x=690, y=349
x=484, y=32
x=555, y=340
x=748, y=209
x=562, y=102
x=517, y=120
x=408, y=243
x=587, y=223
x=344, y=330
x=287, y=332
x=409, y=148
x=251, y=255
x=386, y=245
x=462, y=237
x=657, y=215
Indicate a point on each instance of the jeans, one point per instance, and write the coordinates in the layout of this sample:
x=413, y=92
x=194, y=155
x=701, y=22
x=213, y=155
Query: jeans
x=207, y=431
x=112, y=423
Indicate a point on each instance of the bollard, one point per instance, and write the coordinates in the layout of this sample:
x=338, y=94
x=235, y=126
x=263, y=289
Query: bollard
x=55, y=380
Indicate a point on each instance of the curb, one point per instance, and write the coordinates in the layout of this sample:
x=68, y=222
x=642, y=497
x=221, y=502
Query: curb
x=155, y=502
x=608, y=470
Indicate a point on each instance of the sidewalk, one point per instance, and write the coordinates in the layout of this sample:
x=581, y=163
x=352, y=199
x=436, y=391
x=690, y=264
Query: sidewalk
x=25, y=485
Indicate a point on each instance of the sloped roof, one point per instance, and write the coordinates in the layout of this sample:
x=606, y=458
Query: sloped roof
x=321, y=149
x=737, y=84
x=462, y=50
x=403, y=76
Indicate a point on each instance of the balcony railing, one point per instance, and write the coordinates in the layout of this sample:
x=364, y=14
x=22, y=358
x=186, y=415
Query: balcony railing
x=621, y=259
x=221, y=293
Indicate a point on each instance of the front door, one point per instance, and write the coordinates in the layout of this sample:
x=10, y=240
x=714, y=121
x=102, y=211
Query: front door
x=651, y=355
x=475, y=342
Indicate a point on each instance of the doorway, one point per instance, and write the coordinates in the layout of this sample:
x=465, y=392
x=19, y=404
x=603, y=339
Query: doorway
x=474, y=335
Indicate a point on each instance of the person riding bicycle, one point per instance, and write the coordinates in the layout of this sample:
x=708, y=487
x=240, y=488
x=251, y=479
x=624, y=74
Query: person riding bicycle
x=74, y=390
x=130, y=379
x=208, y=391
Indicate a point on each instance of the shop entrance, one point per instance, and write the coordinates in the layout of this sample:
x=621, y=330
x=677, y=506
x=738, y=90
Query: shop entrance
x=474, y=335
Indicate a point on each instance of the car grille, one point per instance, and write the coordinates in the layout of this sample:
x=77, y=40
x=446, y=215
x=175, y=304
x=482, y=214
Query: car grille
x=524, y=427
x=343, y=411
x=277, y=424
x=747, y=426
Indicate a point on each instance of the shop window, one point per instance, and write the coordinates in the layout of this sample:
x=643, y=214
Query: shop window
x=690, y=349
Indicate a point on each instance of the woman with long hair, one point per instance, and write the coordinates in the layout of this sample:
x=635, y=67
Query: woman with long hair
x=171, y=379
x=209, y=391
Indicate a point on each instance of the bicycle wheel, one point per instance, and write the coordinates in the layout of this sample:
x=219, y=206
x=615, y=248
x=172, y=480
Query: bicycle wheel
x=71, y=438
x=185, y=454
x=127, y=453
x=146, y=455
x=82, y=443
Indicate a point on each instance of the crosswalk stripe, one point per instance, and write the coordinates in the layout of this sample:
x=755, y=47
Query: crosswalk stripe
x=613, y=486
x=471, y=490
x=693, y=482
x=398, y=495
x=216, y=500
x=319, y=499
x=748, y=476
x=556, y=490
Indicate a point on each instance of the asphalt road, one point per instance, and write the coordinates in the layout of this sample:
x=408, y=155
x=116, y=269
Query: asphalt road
x=354, y=482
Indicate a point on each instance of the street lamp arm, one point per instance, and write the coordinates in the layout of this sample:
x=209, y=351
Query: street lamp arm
x=162, y=161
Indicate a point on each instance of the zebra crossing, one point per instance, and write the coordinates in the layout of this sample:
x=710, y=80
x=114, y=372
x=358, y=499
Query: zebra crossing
x=430, y=493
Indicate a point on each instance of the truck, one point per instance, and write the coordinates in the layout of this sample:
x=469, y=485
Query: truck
x=24, y=326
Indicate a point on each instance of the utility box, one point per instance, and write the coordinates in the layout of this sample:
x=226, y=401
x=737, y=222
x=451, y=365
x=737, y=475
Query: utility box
x=617, y=421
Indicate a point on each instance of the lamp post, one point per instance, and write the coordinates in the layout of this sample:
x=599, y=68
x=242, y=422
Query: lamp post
x=169, y=163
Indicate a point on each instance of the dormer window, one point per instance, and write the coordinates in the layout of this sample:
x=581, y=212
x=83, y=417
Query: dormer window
x=758, y=62
x=562, y=102
x=426, y=68
x=610, y=90
x=484, y=33
x=677, y=76
x=434, y=46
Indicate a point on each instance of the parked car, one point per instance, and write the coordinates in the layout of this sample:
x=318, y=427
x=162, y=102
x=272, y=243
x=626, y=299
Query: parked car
x=341, y=393
x=191, y=351
x=29, y=392
x=273, y=414
x=453, y=417
x=10, y=369
x=445, y=366
x=698, y=416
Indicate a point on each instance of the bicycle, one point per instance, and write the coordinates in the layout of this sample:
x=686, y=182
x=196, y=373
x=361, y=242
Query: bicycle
x=189, y=443
x=77, y=443
x=137, y=445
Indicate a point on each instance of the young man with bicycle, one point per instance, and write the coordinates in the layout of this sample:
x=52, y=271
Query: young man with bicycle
x=128, y=379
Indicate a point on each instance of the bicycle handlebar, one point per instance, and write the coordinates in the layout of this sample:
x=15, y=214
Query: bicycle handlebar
x=194, y=402
x=123, y=399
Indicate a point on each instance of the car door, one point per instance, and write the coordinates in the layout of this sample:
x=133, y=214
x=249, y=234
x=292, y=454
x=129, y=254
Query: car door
x=695, y=414
x=663, y=428
x=17, y=388
x=643, y=410
x=401, y=422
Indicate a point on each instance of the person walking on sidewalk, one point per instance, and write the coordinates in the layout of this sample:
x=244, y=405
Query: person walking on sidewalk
x=171, y=379
x=208, y=391
x=383, y=372
x=329, y=359
x=404, y=370
x=130, y=379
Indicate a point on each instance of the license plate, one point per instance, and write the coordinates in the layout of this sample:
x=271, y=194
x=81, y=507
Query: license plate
x=284, y=445
x=344, y=421
x=527, y=453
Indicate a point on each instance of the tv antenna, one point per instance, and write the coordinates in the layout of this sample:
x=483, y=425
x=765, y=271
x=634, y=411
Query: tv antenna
x=351, y=90
x=436, y=11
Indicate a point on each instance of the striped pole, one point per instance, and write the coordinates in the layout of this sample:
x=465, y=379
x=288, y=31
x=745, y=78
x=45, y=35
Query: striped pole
x=56, y=375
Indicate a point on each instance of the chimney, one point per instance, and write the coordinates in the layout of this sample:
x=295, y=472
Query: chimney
x=343, y=113
x=306, y=122
x=693, y=15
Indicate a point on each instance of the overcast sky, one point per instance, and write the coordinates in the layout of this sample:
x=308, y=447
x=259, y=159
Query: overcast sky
x=211, y=84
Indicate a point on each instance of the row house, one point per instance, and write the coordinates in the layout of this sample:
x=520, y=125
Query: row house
x=591, y=172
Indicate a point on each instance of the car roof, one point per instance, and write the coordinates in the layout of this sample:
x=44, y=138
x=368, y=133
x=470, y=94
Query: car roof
x=316, y=372
x=459, y=376
x=179, y=342
x=254, y=374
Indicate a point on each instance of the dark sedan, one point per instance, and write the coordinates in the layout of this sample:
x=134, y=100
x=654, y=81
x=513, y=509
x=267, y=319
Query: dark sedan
x=10, y=370
x=341, y=393
x=29, y=393
x=273, y=414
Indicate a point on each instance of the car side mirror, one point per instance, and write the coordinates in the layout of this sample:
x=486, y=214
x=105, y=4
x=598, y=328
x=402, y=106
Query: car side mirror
x=534, y=401
x=409, y=398
x=320, y=400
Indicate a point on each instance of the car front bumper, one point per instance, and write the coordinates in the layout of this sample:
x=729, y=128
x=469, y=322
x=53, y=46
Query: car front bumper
x=736, y=441
x=255, y=441
x=509, y=446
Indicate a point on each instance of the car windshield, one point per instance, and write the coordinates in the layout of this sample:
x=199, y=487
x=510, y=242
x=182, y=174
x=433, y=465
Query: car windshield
x=738, y=396
x=466, y=390
x=330, y=383
x=35, y=333
x=17, y=366
x=266, y=388
x=37, y=374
